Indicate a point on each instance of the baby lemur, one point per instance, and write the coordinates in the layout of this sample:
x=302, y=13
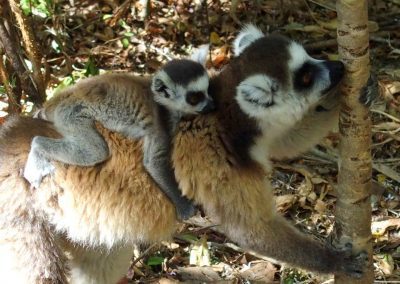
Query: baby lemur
x=136, y=107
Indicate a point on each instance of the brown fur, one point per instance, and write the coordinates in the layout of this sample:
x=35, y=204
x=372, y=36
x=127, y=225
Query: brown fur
x=97, y=213
x=110, y=205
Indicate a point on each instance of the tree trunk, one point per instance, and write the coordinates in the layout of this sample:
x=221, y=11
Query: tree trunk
x=353, y=209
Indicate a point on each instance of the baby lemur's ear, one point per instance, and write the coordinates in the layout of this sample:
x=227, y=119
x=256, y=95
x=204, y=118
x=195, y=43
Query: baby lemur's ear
x=200, y=54
x=247, y=35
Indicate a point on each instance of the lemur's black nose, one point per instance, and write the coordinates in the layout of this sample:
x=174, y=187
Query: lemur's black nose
x=210, y=106
x=336, y=72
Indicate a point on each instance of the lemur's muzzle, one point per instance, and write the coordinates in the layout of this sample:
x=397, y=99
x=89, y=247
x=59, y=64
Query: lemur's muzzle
x=336, y=72
x=210, y=106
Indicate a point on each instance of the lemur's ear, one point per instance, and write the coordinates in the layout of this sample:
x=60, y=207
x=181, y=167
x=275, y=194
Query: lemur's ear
x=247, y=35
x=200, y=54
x=257, y=87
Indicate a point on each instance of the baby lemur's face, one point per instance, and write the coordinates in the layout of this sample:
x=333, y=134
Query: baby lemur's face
x=181, y=85
x=287, y=84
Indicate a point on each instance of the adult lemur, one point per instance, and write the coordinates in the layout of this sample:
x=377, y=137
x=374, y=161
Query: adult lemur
x=129, y=105
x=96, y=213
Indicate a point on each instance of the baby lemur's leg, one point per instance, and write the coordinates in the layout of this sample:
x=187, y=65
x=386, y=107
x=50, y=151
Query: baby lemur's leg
x=81, y=144
x=157, y=161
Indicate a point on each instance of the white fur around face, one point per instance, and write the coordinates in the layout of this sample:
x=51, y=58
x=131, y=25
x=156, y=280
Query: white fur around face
x=275, y=108
x=247, y=35
x=255, y=93
x=298, y=56
x=200, y=84
x=177, y=93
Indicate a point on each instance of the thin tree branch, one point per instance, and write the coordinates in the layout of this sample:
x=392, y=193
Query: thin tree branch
x=353, y=208
x=12, y=51
x=31, y=47
x=13, y=102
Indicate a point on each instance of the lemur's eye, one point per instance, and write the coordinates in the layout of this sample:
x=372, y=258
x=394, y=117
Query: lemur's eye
x=307, y=79
x=305, y=76
x=193, y=98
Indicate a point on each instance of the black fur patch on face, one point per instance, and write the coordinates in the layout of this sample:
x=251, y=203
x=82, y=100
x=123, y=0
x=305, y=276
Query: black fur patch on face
x=183, y=71
x=267, y=55
x=305, y=77
x=336, y=72
x=194, y=98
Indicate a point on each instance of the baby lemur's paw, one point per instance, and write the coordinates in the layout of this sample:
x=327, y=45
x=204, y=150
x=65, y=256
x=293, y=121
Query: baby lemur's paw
x=352, y=264
x=36, y=168
x=185, y=209
x=370, y=93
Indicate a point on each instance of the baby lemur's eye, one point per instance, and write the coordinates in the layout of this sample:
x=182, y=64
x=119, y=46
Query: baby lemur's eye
x=193, y=98
x=307, y=79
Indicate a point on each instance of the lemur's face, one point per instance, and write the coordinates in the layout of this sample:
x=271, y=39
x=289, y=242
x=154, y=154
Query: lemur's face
x=182, y=86
x=284, y=82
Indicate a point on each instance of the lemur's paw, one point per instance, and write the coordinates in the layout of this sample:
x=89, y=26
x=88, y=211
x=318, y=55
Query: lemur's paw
x=370, y=93
x=36, y=168
x=185, y=210
x=352, y=264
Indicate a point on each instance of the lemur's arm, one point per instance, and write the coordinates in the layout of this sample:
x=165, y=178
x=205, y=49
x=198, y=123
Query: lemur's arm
x=157, y=161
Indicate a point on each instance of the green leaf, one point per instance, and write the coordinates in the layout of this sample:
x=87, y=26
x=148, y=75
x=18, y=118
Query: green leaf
x=68, y=81
x=189, y=238
x=2, y=89
x=288, y=280
x=91, y=68
x=39, y=8
x=107, y=16
x=123, y=24
x=125, y=42
x=155, y=260
x=25, y=6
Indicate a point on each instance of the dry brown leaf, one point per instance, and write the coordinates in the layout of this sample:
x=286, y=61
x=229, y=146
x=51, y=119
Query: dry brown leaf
x=320, y=206
x=206, y=274
x=285, y=202
x=215, y=38
x=378, y=228
x=262, y=272
x=385, y=263
x=167, y=281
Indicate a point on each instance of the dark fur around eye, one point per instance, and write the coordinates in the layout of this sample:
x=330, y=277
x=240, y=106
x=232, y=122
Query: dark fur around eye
x=193, y=98
x=161, y=88
x=305, y=76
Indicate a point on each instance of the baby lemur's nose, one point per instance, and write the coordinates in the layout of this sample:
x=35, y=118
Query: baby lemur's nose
x=210, y=106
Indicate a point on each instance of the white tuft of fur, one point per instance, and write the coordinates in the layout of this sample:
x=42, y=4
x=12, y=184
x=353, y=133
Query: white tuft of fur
x=200, y=54
x=247, y=35
x=200, y=84
x=298, y=56
x=259, y=88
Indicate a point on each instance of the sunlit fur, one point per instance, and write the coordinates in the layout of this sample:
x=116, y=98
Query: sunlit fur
x=95, y=214
x=247, y=35
x=275, y=103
